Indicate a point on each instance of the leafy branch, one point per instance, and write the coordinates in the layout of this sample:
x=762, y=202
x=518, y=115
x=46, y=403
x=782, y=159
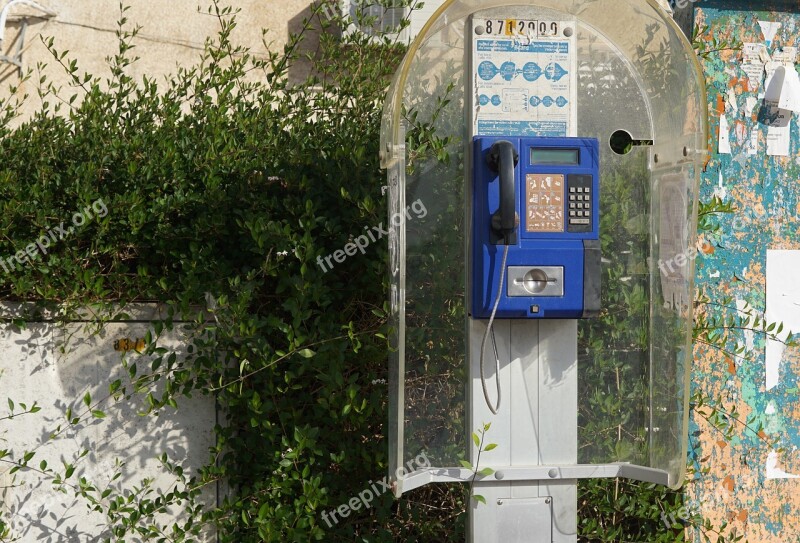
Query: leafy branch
x=476, y=470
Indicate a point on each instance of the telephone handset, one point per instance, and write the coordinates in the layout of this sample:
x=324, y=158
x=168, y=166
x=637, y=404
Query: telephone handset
x=503, y=159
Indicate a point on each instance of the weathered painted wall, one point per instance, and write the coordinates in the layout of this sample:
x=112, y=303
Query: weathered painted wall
x=748, y=482
x=173, y=34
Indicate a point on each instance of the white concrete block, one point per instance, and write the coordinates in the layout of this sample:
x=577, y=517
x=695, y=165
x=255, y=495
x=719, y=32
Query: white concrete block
x=34, y=370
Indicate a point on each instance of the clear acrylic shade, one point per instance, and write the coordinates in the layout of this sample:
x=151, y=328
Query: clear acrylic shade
x=636, y=73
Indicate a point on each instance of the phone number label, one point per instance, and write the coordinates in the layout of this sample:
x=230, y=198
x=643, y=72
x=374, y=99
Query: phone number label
x=518, y=27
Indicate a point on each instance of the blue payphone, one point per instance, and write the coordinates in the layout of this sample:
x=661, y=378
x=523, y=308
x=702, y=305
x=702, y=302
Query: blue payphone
x=536, y=244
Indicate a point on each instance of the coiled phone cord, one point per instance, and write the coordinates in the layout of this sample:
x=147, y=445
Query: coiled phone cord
x=494, y=408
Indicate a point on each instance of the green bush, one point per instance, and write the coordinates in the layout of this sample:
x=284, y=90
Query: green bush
x=223, y=187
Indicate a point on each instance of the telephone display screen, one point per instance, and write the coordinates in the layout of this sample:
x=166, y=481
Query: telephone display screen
x=540, y=155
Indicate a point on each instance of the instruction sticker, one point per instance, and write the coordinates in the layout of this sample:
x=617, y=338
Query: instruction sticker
x=545, y=207
x=525, y=78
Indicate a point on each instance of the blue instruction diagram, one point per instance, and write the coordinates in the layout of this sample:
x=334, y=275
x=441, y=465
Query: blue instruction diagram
x=525, y=87
x=531, y=71
x=535, y=101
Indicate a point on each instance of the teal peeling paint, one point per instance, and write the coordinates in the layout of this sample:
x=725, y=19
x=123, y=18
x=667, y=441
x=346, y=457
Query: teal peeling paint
x=745, y=237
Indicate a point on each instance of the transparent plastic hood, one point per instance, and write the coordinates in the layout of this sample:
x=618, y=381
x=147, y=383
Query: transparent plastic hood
x=637, y=73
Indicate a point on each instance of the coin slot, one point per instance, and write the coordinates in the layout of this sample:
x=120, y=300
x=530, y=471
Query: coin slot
x=535, y=281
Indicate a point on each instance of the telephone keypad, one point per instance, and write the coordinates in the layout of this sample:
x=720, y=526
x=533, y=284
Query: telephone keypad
x=580, y=203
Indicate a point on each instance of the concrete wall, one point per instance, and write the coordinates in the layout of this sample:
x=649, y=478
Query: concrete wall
x=173, y=33
x=35, y=370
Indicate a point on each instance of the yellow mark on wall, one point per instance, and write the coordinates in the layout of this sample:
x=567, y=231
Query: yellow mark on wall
x=126, y=344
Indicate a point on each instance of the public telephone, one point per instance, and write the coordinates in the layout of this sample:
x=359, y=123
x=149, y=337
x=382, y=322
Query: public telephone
x=536, y=244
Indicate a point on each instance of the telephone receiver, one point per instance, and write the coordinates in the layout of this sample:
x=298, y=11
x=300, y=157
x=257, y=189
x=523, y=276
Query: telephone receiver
x=502, y=159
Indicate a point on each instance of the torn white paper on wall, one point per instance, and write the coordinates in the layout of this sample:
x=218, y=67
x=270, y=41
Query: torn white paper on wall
x=778, y=120
x=769, y=29
x=787, y=55
x=780, y=59
x=774, y=83
x=790, y=92
x=752, y=142
x=774, y=472
x=769, y=69
x=720, y=191
x=750, y=105
x=732, y=105
x=779, y=137
x=783, y=300
x=754, y=56
x=724, y=136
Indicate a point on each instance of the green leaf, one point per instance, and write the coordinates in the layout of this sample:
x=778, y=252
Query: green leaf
x=10, y=404
x=489, y=447
x=476, y=439
x=466, y=464
x=486, y=472
x=306, y=353
x=98, y=414
x=87, y=399
x=479, y=498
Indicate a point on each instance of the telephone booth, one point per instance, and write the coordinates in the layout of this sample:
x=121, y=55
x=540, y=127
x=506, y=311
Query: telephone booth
x=543, y=304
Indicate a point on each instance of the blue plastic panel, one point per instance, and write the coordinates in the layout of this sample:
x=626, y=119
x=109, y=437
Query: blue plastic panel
x=551, y=232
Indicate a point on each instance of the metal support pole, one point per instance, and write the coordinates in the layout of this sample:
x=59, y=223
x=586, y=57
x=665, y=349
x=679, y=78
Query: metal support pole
x=535, y=425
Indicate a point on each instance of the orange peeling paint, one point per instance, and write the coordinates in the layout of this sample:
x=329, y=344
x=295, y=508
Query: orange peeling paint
x=728, y=483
